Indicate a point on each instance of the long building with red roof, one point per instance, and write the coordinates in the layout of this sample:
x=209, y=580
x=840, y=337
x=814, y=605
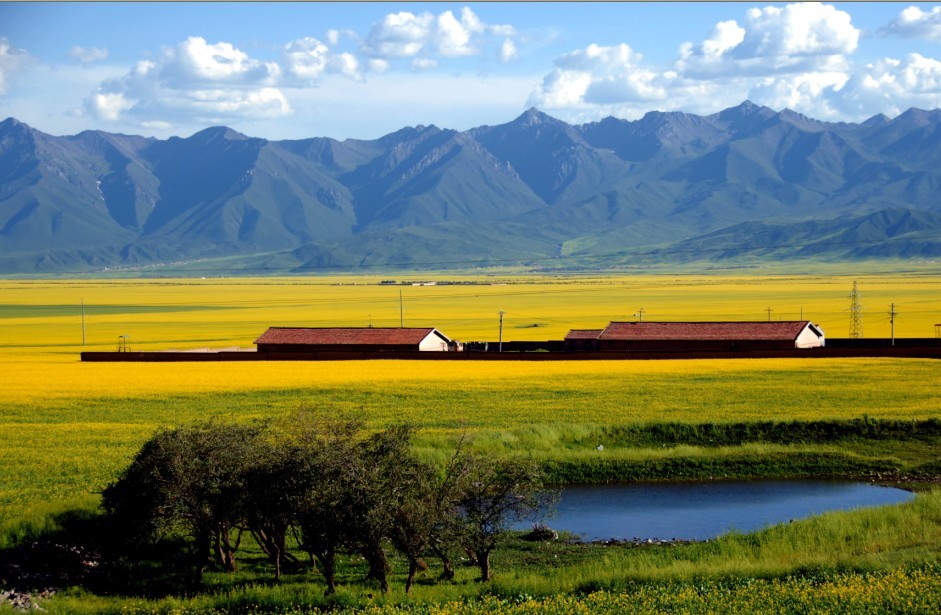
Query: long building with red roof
x=689, y=336
x=371, y=339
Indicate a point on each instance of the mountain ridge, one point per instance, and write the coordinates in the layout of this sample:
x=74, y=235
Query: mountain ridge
x=670, y=186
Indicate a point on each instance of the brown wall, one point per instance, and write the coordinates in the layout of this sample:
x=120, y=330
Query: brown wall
x=927, y=352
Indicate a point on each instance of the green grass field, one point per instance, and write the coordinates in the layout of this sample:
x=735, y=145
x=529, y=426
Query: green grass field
x=69, y=427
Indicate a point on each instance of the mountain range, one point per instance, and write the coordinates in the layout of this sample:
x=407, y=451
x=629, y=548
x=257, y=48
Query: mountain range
x=745, y=183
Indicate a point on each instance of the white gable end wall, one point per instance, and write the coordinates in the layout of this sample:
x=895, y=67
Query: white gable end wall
x=433, y=342
x=810, y=337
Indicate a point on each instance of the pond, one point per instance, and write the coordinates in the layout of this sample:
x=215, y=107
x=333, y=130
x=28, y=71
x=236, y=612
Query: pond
x=699, y=511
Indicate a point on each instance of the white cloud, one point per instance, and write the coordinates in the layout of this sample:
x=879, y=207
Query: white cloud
x=452, y=37
x=87, y=55
x=264, y=102
x=915, y=23
x=796, y=56
x=807, y=28
x=890, y=86
x=399, y=35
x=308, y=59
x=344, y=64
x=11, y=61
x=194, y=81
x=725, y=35
x=305, y=58
x=600, y=75
x=796, y=38
x=407, y=35
x=109, y=106
x=196, y=61
x=808, y=93
x=508, y=51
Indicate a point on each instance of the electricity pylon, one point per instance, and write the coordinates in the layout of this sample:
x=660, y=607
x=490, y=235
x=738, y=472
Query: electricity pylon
x=856, y=314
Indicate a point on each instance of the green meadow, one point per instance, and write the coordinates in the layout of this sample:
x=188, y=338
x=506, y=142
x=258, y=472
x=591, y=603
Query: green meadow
x=70, y=427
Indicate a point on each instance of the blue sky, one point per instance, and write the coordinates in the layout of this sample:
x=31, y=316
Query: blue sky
x=361, y=70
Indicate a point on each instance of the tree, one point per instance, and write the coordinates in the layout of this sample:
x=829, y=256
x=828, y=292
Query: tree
x=275, y=485
x=396, y=494
x=492, y=494
x=192, y=479
x=361, y=491
x=324, y=454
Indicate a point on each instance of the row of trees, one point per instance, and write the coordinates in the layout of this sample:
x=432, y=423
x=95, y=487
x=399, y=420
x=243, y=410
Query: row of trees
x=325, y=485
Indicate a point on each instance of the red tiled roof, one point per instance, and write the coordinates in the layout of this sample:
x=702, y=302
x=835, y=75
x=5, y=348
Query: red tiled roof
x=788, y=330
x=583, y=334
x=334, y=336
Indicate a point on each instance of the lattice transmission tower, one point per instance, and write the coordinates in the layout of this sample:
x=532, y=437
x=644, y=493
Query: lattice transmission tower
x=856, y=314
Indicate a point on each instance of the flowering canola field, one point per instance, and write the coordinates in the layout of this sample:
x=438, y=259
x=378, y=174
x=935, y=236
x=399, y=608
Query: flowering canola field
x=70, y=426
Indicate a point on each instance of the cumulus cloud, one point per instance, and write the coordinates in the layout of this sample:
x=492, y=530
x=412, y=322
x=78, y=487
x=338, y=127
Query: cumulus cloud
x=192, y=81
x=197, y=61
x=774, y=40
x=109, y=105
x=798, y=56
x=407, y=35
x=11, y=61
x=200, y=81
x=344, y=64
x=87, y=55
x=305, y=58
x=600, y=75
x=889, y=86
x=399, y=35
x=915, y=23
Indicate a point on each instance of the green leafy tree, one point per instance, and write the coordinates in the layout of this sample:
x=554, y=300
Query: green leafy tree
x=493, y=493
x=189, y=479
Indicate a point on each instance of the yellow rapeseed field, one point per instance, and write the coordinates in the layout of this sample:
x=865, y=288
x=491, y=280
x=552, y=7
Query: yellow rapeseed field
x=69, y=426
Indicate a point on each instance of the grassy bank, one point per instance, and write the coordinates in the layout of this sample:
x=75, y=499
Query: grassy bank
x=869, y=560
x=70, y=427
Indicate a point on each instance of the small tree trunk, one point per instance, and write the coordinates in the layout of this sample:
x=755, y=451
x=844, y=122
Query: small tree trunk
x=203, y=553
x=448, y=572
x=327, y=561
x=483, y=562
x=414, y=565
x=226, y=550
x=277, y=562
x=412, y=569
x=378, y=566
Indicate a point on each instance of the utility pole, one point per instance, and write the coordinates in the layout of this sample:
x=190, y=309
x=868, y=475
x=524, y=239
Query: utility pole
x=640, y=315
x=500, y=348
x=892, y=315
x=83, y=322
x=768, y=309
x=856, y=314
x=401, y=312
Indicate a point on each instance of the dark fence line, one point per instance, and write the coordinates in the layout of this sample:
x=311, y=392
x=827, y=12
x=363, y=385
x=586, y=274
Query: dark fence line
x=899, y=351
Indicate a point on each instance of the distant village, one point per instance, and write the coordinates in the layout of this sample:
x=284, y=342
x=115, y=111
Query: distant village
x=616, y=337
x=617, y=340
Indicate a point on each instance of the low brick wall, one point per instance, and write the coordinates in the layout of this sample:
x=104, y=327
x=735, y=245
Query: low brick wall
x=901, y=351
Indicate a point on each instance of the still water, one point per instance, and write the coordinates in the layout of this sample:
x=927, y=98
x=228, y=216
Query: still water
x=698, y=511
